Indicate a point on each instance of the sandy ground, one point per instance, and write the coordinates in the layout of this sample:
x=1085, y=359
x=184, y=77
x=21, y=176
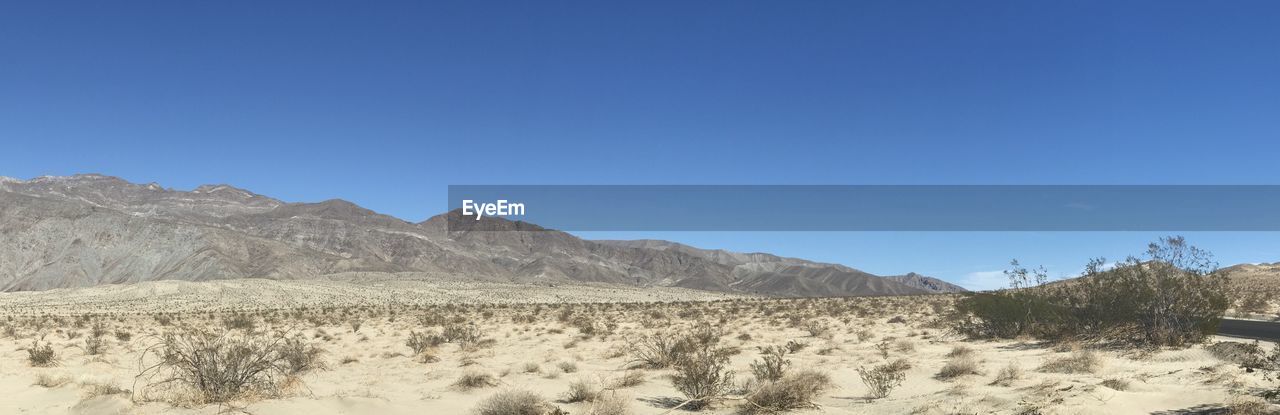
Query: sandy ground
x=543, y=348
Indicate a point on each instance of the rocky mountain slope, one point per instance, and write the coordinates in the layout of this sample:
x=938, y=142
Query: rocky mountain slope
x=762, y=269
x=85, y=230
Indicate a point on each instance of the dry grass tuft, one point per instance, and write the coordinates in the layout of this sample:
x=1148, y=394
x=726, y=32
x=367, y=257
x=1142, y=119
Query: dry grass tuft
x=793, y=391
x=581, y=391
x=957, y=367
x=474, y=380
x=514, y=402
x=1007, y=375
x=1080, y=361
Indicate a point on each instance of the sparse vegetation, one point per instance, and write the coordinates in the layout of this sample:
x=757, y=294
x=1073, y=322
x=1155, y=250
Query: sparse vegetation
x=1174, y=296
x=41, y=355
x=611, y=347
x=772, y=364
x=514, y=402
x=794, y=391
x=219, y=368
x=959, y=366
x=474, y=380
x=581, y=391
x=881, y=380
x=1080, y=361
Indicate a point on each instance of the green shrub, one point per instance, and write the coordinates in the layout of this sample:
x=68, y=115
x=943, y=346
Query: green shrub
x=1172, y=297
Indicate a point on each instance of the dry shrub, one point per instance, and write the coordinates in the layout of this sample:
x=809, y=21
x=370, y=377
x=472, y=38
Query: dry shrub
x=658, y=351
x=1080, y=361
x=460, y=333
x=473, y=380
x=104, y=389
x=771, y=366
x=881, y=380
x=568, y=367
x=629, y=379
x=1246, y=354
x=300, y=356
x=1116, y=384
x=959, y=351
x=515, y=402
x=611, y=403
x=899, y=365
x=220, y=368
x=1008, y=374
x=41, y=355
x=1248, y=405
x=48, y=381
x=791, y=392
x=581, y=391
x=702, y=375
x=959, y=366
x=421, y=342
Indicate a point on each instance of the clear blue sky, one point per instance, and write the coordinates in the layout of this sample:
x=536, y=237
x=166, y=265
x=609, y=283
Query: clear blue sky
x=386, y=104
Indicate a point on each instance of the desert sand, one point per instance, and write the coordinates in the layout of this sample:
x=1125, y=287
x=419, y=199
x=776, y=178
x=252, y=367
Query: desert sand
x=543, y=339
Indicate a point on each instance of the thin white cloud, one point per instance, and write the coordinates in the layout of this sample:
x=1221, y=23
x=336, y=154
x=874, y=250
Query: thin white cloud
x=984, y=280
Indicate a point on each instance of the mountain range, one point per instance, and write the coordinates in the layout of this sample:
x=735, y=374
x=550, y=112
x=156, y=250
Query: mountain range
x=92, y=229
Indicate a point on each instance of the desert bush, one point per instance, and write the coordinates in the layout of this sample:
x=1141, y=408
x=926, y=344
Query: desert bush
x=514, y=402
x=1248, y=405
x=94, y=345
x=219, y=368
x=881, y=380
x=473, y=380
x=45, y=380
x=1268, y=363
x=1008, y=374
x=1245, y=354
x=568, y=367
x=702, y=375
x=899, y=365
x=239, y=322
x=884, y=347
x=460, y=333
x=629, y=378
x=771, y=365
x=659, y=351
x=610, y=403
x=816, y=328
x=1174, y=296
x=960, y=351
x=421, y=342
x=41, y=355
x=791, y=392
x=1116, y=384
x=958, y=366
x=299, y=356
x=581, y=391
x=1080, y=361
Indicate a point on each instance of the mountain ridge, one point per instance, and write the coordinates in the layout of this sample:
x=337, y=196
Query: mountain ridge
x=93, y=229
